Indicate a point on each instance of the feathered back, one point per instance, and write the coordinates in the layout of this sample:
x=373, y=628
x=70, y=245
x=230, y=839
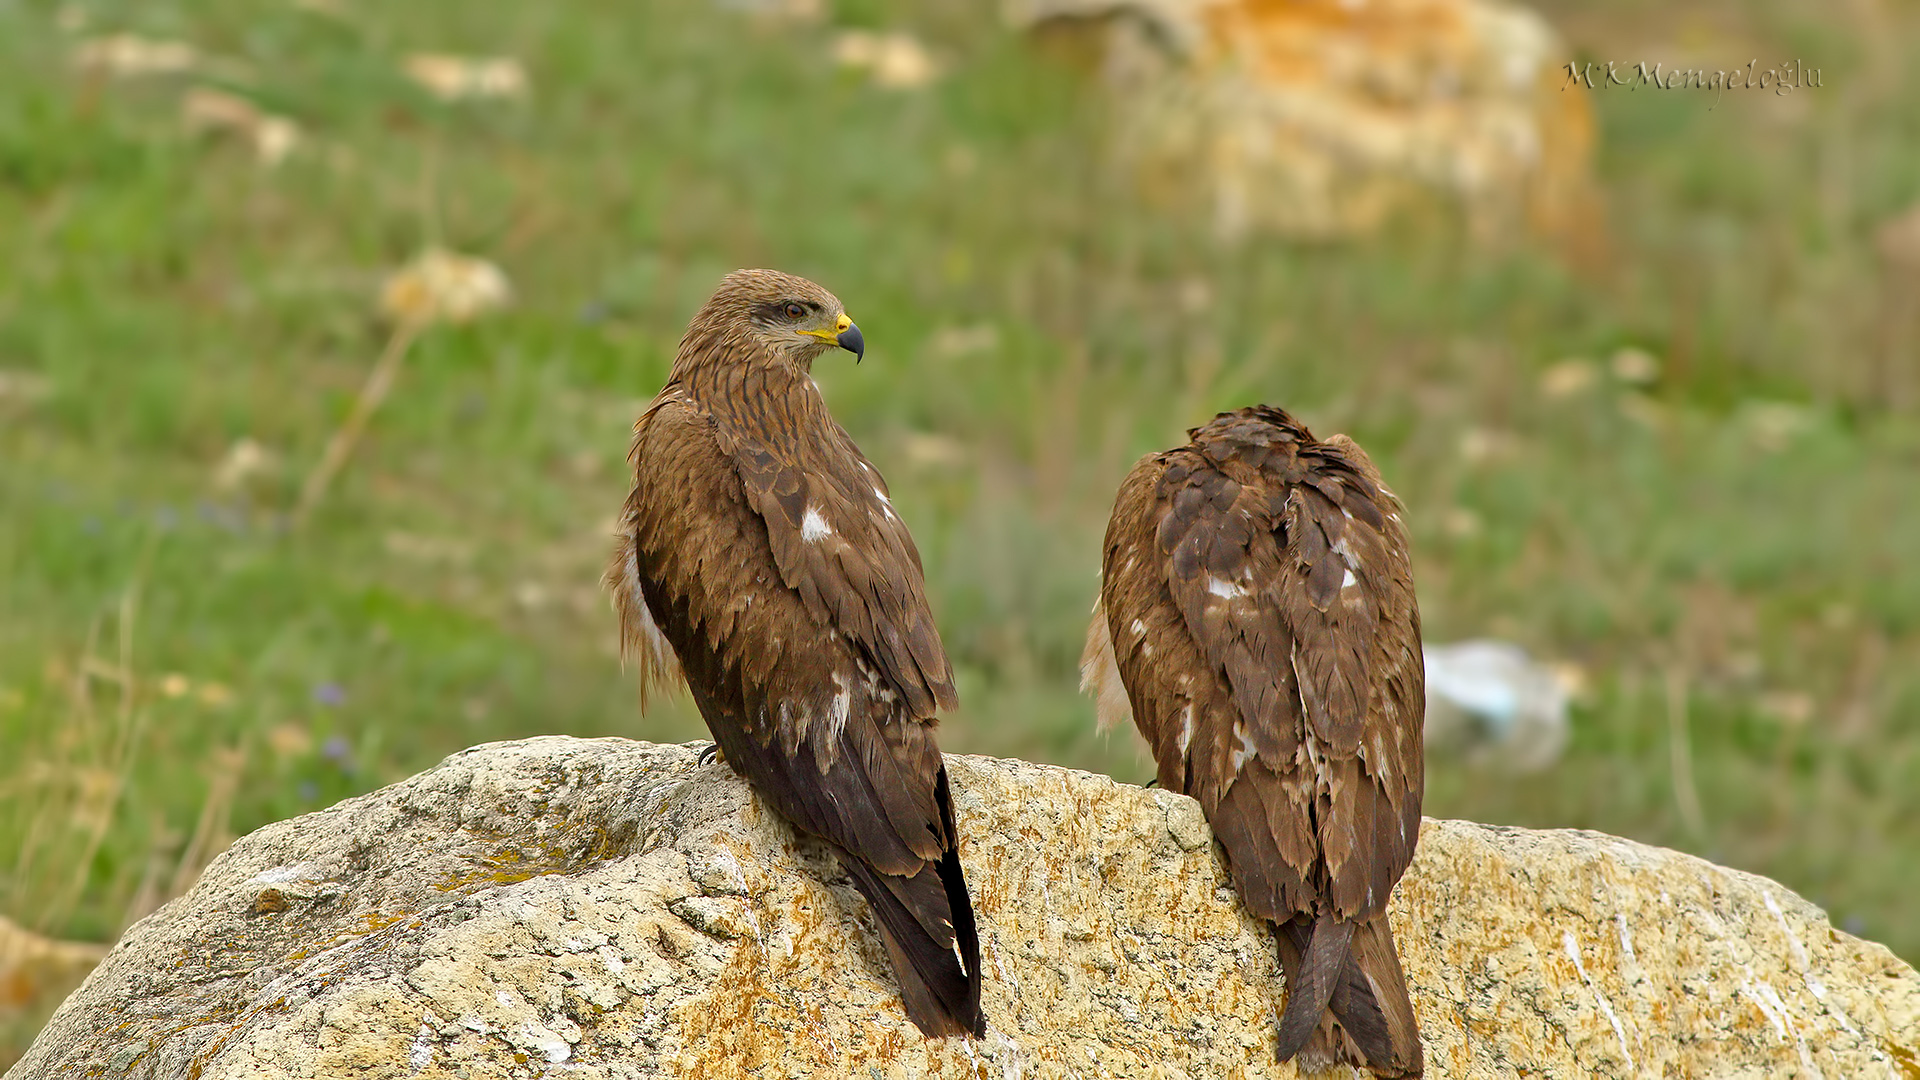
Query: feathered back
x=1257, y=604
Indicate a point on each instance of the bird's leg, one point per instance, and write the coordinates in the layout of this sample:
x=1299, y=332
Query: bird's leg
x=710, y=754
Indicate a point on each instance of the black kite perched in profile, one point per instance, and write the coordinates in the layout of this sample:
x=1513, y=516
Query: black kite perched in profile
x=760, y=556
x=1257, y=620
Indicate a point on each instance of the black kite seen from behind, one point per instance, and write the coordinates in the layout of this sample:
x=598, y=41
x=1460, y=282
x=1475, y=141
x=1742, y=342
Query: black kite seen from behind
x=1257, y=621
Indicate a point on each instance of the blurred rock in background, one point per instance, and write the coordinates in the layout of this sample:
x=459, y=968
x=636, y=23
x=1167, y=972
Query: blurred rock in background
x=1493, y=706
x=1898, y=244
x=1328, y=118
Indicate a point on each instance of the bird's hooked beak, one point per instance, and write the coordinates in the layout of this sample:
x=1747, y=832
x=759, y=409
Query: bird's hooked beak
x=844, y=334
x=847, y=336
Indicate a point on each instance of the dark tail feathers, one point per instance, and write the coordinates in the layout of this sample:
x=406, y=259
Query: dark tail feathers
x=1319, y=955
x=939, y=986
x=1372, y=1025
x=938, y=971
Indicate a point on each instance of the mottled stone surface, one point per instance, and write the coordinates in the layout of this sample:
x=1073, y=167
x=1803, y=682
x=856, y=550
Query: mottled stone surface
x=1325, y=118
x=605, y=908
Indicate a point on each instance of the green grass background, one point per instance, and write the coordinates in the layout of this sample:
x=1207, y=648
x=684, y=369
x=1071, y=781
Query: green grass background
x=1731, y=546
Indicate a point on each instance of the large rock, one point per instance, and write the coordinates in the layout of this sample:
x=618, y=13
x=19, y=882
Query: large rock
x=603, y=908
x=1331, y=117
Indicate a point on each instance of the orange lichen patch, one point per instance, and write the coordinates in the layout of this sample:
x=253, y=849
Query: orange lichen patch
x=547, y=846
x=1327, y=42
x=501, y=868
x=359, y=926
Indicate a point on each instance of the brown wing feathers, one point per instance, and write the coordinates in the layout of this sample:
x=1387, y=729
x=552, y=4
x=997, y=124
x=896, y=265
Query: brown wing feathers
x=759, y=546
x=1260, y=612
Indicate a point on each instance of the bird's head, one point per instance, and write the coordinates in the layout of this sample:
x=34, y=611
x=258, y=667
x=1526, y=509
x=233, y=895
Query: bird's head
x=791, y=317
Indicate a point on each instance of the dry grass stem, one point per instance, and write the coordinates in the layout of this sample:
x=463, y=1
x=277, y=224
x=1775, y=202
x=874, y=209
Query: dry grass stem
x=347, y=435
x=210, y=832
x=1685, y=796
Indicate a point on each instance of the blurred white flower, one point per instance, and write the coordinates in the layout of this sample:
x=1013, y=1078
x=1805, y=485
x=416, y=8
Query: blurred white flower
x=245, y=460
x=415, y=547
x=953, y=342
x=1483, y=446
x=1635, y=367
x=214, y=695
x=1773, y=425
x=442, y=286
x=1568, y=378
x=129, y=55
x=1787, y=707
x=455, y=78
x=1461, y=523
x=273, y=137
x=894, y=60
x=289, y=740
x=928, y=449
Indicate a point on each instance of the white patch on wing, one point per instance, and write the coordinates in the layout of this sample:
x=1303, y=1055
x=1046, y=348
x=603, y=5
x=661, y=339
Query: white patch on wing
x=878, y=688
x=1223, y=588
x=1246, y=751
x=813, y=527
x=1346, y=553
x=842, y=706
x=1322, y=783
x=1348, y=580
x=1186, y=728
x=1138, y=628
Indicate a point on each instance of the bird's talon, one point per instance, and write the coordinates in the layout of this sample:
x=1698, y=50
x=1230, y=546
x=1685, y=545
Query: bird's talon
x=710, y=755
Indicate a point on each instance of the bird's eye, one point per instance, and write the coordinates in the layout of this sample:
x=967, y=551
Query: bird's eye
x=794, y=311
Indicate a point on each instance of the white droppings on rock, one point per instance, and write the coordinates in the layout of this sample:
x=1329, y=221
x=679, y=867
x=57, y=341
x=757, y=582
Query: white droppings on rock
x=544, y=1041
x=420, y=1054
x=1572, y=946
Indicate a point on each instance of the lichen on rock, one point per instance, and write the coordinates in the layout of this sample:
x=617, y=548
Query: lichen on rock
x=610, y=909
